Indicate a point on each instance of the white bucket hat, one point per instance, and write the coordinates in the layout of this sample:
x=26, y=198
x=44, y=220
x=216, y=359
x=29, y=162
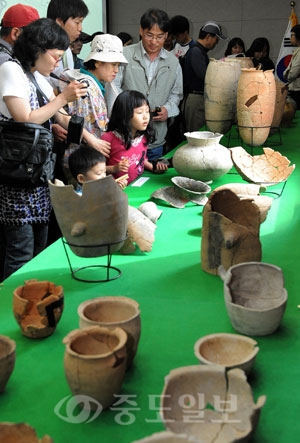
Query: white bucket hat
x=107, y=48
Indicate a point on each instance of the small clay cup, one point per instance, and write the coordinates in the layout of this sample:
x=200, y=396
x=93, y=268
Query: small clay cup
x=7, y=360
x=37, y=307
x=112, y=312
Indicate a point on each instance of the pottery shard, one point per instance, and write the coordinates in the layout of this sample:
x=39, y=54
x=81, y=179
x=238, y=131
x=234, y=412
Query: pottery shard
x=230, y=231
x=20, y=433
x=250, y=191
x=140, y=231
x=270, y=167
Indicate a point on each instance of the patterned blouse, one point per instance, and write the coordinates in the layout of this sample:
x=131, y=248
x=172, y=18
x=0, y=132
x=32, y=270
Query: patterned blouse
x=20, y=206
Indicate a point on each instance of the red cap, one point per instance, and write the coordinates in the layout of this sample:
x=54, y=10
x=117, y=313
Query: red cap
x=19, y=15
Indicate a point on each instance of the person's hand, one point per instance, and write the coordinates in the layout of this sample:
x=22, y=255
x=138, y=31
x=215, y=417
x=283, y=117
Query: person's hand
x=96, y=143
x=160, y=167
x=122, y=166
x=60, y=133
x=74, y=90
x=122, y=182
x=162, y=115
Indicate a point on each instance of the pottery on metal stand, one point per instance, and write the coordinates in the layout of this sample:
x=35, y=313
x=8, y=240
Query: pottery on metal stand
x=7, y=360
x=111, y=312
x=95, y=363
x=203, y=157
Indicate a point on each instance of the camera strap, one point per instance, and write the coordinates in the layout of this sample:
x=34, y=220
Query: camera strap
x=42, y=98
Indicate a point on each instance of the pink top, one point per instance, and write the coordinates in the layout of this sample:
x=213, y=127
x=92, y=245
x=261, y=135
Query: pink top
x=136, y=154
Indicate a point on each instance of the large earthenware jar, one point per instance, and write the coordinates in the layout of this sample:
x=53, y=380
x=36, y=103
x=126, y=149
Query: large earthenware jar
x=7, y=360
x=94, y=224
x=95, y=363
x=256, y=97
x=112, y=312
x=220, y=92
x=281, y=94
x=203, y=157
x=37, y=307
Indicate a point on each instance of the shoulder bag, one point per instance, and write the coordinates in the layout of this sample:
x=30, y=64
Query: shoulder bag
x=26, y=156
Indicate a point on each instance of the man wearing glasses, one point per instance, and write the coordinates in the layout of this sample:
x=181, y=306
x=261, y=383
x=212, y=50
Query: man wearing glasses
x=154, y=72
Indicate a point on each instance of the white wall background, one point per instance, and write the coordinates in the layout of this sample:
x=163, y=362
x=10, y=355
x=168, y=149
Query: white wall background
x=247, y=19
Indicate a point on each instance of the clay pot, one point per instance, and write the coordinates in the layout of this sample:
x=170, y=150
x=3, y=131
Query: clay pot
x=112, y=312
x=221, y=80
x=95, y=363
x=20, y=433
x=94, y=223
x=203, y=157
x=7, y=360
x=206, y=402
x=150, y=210
x=256, y=95
x=230, y=231
x=255, y=297
x=37, y=307
x=228, y=350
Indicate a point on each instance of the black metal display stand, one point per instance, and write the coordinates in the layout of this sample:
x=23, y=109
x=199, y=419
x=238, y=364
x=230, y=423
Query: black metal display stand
x=117, y=272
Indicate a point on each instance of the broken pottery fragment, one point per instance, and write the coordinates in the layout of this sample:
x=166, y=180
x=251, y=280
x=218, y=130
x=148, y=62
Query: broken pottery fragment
x=230, y=231
x=268, y=168
x=140, y=230
x=94, y=221
x=210, y=404
x=111, y=312
x=227, y=350
x=250, y=191
x=168, y=437
x=37, y=307
x=7, y=360
x=20, y=433
x=183, y=191
x=150, y=210
x=255, y=297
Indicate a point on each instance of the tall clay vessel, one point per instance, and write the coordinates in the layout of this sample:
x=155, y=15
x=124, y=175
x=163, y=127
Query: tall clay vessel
x=221, y=80
x=95, y=363
x=203, y=157
x=256, y=95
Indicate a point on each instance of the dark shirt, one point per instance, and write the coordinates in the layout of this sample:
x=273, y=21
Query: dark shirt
x=195, y=66
x=266, y=64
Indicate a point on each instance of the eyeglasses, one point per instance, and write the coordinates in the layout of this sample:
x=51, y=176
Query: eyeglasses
x=57, y=59
x=159, y=37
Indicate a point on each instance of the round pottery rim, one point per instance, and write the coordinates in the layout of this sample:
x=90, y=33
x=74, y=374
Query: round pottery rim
x=11, y=343
x=281, y=302
x=239, y=337
x=83, y=305
x=189, y=190
x=202, y=135
x=68, y=340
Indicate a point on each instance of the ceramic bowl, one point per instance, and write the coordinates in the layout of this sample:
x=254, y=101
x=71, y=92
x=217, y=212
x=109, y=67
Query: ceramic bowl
x=255, y=297
x=188, y=188
x=228, y=350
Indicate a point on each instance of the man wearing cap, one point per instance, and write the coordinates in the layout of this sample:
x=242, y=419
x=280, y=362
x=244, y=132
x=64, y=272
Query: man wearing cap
x=14, y=19
x=194, y=70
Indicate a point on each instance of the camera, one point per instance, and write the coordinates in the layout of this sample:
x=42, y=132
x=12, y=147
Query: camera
x=85, y=82
x=156, y=111
x=75, y=129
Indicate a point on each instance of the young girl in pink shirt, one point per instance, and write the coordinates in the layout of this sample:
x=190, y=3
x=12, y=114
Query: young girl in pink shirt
x=129, y=132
